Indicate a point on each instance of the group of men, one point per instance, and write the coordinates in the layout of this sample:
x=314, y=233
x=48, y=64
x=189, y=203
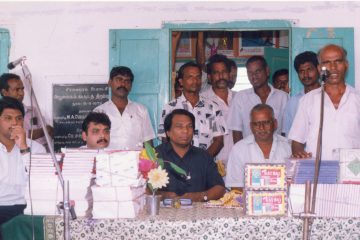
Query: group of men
x=199, y=127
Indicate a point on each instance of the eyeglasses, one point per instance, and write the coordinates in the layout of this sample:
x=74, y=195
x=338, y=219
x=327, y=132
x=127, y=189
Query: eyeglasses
x=264, y=124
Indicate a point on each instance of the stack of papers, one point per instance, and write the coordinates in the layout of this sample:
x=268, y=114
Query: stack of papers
x=44, y=184
x=118, y=169
x=120, y=188
x=301, y=170
x=78, y=169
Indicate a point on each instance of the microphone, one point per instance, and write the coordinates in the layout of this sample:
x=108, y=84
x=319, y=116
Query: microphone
x=13, y=64
x=324, y=74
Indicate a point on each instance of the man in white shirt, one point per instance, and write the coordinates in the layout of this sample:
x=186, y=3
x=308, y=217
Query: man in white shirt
x=96, y=130
x=305, y=65
x=131, y=125
x=341, y=128
x=14, y=152
x=210, y=125
x=218, y=69
x=96, y=133
x=263, y=146
x=261, y=92
x=12, y=86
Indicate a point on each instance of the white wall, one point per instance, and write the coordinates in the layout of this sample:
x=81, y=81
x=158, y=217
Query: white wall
x=67, y=42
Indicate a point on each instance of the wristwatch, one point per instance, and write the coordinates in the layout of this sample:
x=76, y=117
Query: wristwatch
x=26, y=150
x=205, y=197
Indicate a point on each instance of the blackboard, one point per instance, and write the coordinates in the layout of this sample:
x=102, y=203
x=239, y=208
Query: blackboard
x=71, y=104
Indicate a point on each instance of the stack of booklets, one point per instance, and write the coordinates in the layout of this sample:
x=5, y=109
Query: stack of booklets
x=120, y=188
x=78, y=169
x=265, y=189
x=42, y=188
x=332, y=200
x=301, y=170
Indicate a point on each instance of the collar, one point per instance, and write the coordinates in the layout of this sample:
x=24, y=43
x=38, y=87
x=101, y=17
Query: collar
x=251, y=139
x=200, y=103
x=169, y=148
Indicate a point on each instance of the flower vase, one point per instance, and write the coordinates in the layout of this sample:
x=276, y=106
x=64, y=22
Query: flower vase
x=153, y=204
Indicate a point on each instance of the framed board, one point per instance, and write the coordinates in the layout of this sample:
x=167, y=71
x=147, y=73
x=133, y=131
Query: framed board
x=71, y=104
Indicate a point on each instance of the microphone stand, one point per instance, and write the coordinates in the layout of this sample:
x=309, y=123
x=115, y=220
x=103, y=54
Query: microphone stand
x=68, y=210
x=306, y=234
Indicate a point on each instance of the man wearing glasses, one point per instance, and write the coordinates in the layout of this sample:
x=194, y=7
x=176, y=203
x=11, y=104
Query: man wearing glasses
x=261, y=92
x=262, y=146
x=131, y=125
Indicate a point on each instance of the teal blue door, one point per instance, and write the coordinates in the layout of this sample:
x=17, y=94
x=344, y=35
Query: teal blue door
x=146, y=52
x=276, y=58
x=4, y=50
x=312, y=39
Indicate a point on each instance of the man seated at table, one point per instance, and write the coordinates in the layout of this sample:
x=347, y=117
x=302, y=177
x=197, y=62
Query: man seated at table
x=204, y=183
x=96, y=133
x=262, y=146
x=96, y=130
x=15, y=151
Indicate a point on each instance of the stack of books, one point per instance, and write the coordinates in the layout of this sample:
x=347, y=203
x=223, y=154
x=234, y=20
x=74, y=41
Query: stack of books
x=42, y=188
x=301, y=170
x=120, y=188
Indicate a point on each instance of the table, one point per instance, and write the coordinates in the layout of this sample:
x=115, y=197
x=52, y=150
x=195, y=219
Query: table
x=203, y=223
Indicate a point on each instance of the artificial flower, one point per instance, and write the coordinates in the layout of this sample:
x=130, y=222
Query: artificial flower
x=158, y=178
x=145, y=166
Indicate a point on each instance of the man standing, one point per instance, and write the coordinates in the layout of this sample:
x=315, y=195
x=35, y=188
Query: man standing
x=204, y=183
x=305, y=64
x=12, y=86
x=210, y=124
x=280, y=80
x=96, y=130
x=131, y=125
x=15, y=151
x=341, y=128
x=219, y=75
x=263, y=146
x=261, y=92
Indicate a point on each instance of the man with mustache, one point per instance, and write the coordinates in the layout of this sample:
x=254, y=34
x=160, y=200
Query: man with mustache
x=131, y=125
x=261, y=92
x=280, y=80
x=15, y=150
x=204, y=183
x=96, y=130
x=218, y=69
x=210, y=124
x=12, y=86
x=262, y=146
x=96, y=133
x=305, y=65
x=341, y=128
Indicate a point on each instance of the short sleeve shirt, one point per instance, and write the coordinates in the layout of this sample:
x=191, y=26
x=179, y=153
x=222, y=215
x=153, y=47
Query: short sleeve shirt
x=209, y=121
x=197, y=163
x=248, y=151
x=130, y=129
x=245, y=100
x=290, y=111
x=228, y=139
x=341, y=127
